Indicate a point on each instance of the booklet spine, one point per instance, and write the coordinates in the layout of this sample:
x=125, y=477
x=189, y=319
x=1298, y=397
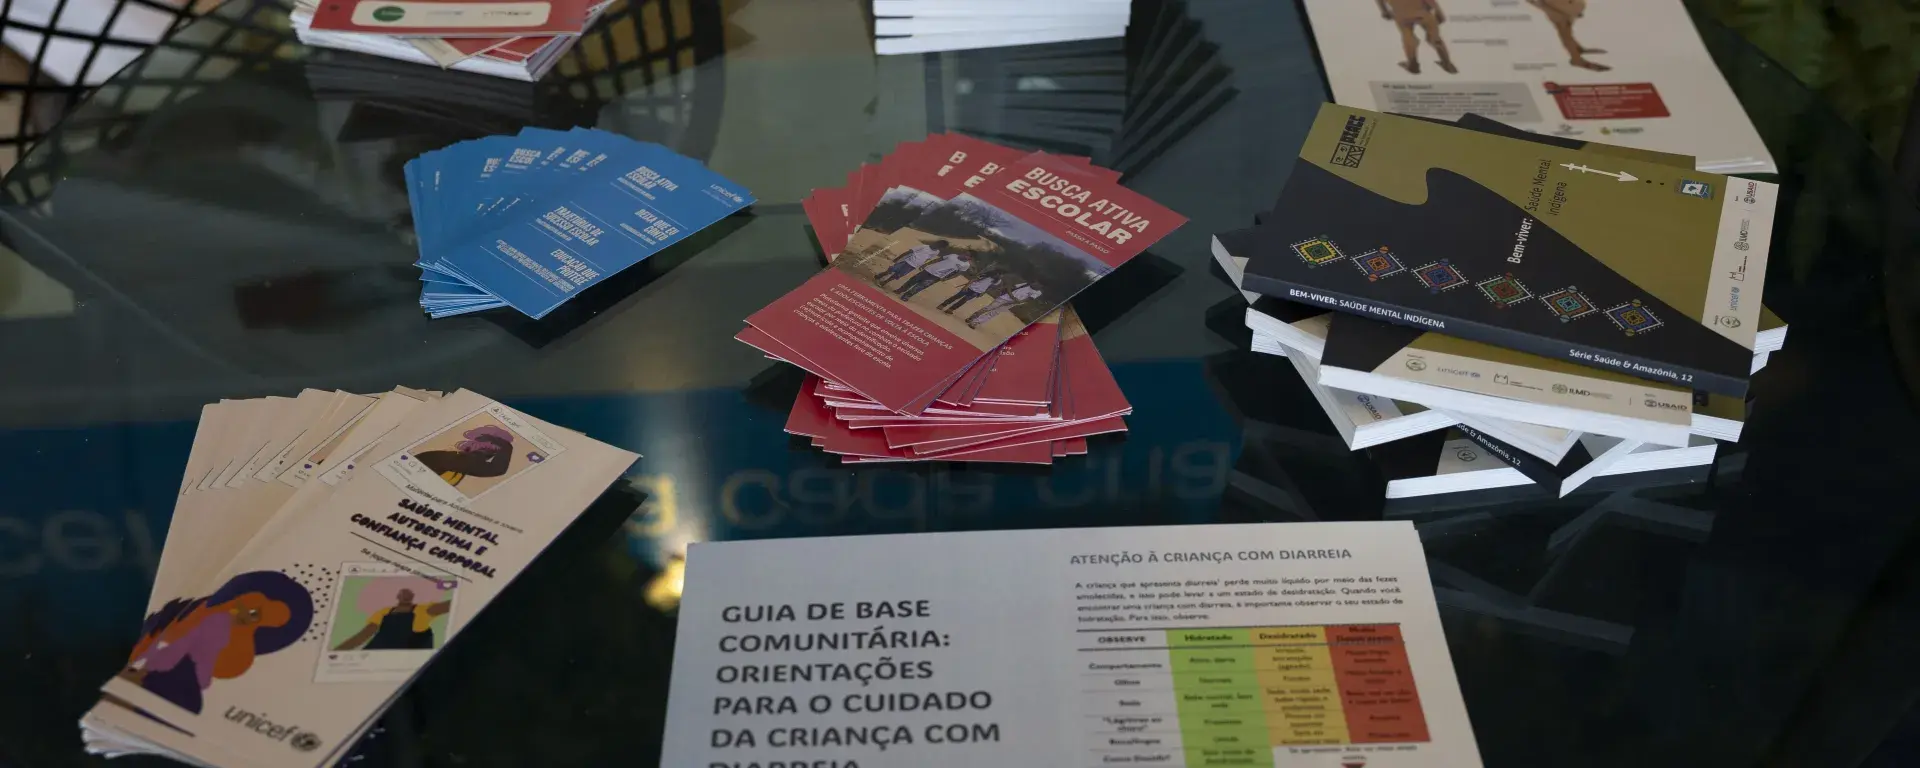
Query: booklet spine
x=1587, y=355
x=1534, y=467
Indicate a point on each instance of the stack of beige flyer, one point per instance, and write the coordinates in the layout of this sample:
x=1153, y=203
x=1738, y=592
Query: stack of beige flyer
x=1635, y=74
x=323, y=549
x=1316, y=645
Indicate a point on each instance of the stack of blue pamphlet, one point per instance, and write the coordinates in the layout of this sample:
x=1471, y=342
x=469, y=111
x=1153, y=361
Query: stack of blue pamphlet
x=530, y=221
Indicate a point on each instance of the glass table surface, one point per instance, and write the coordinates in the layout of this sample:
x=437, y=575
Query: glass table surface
x=225, y=219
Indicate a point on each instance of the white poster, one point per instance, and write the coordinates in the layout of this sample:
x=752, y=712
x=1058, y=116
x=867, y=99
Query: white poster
x=1314, y=645
x=1616, y=72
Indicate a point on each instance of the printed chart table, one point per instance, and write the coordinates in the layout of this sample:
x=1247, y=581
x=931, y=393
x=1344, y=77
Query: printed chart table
x=1240, y=696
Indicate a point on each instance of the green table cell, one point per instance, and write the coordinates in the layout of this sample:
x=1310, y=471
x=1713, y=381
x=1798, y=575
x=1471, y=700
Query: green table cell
x=1211, y=659
x=1261, y=755
x=1220, y=678
x=1241, y=720
x=1207, y=638
x=1198, y=703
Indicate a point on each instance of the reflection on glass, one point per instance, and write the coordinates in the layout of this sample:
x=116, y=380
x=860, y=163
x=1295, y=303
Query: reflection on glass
x=663, y=592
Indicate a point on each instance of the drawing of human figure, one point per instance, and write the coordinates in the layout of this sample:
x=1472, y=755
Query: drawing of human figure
x=1002, y=302
x=933, y=274
x=1562, y=14
x=486, y=452
x=915, y=258
x=189, y=643
x=1425, y=14
x=968, y=293
x=405, y=625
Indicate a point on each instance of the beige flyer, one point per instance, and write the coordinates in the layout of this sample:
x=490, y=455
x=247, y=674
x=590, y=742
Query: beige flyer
x=1634, y=74
x=1311, y=645
x=285, y=659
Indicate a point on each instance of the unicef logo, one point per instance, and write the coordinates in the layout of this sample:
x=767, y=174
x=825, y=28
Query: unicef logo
x=1416, y=365
x=304, y=742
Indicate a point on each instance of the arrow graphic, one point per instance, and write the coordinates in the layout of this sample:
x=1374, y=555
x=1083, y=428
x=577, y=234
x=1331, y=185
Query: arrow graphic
x=1623, y=175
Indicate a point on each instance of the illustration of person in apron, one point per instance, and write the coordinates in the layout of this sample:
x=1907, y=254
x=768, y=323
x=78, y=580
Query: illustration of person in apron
x=404, y=626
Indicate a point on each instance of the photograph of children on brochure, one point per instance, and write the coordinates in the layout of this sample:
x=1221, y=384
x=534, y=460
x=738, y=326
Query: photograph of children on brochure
x=970, y=268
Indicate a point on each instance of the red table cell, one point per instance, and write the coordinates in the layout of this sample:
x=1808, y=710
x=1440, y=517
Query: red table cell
x=1376, y=684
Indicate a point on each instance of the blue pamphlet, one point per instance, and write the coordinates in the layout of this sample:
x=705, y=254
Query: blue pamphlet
x=530, y=221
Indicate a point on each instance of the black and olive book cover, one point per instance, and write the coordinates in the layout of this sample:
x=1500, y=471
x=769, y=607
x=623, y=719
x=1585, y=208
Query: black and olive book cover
x=1607, y=261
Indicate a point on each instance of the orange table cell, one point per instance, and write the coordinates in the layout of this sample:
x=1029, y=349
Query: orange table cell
x=1376, y=684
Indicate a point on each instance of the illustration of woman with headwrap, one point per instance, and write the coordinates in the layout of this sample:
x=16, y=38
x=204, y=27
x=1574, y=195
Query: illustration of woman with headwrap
x=403, y=626
x=486, y=452
x=188, y=643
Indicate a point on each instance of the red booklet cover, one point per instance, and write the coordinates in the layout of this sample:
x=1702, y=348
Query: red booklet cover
x=448, y=18
x=1000, y=255
x=1023, y=368
x=1092, y=392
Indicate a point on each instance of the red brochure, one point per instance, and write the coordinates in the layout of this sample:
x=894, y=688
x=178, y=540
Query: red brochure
x=1041, y=231
x=1023, y=368
x=940, y=439
x=809, y=417
x=840, y=440
x=1091, y=391
x=1039, y=437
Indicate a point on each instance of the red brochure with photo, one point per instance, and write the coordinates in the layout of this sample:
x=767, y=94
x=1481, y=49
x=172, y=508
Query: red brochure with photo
x=1091, y=391
x=454, y=18
x=810, y=417
x=1052, y=432
x=838, y=439
x=981, y=267
x=1023, y=367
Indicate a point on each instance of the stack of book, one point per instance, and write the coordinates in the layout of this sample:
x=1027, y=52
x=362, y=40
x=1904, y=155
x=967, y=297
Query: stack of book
x=324, y=548
x=926, y=26
x=940, y=329
x=1562, y=309
x=498, y=38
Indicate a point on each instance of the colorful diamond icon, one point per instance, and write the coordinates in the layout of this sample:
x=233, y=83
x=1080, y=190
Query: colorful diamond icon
x=1318, y=251
x=1504, y=290
x=1568, y=304
x=1634, y=318
x=1378, y=264
x=1440, y=276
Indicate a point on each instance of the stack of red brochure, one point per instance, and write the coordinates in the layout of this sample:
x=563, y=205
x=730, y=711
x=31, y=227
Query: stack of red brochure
x=940, y=329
